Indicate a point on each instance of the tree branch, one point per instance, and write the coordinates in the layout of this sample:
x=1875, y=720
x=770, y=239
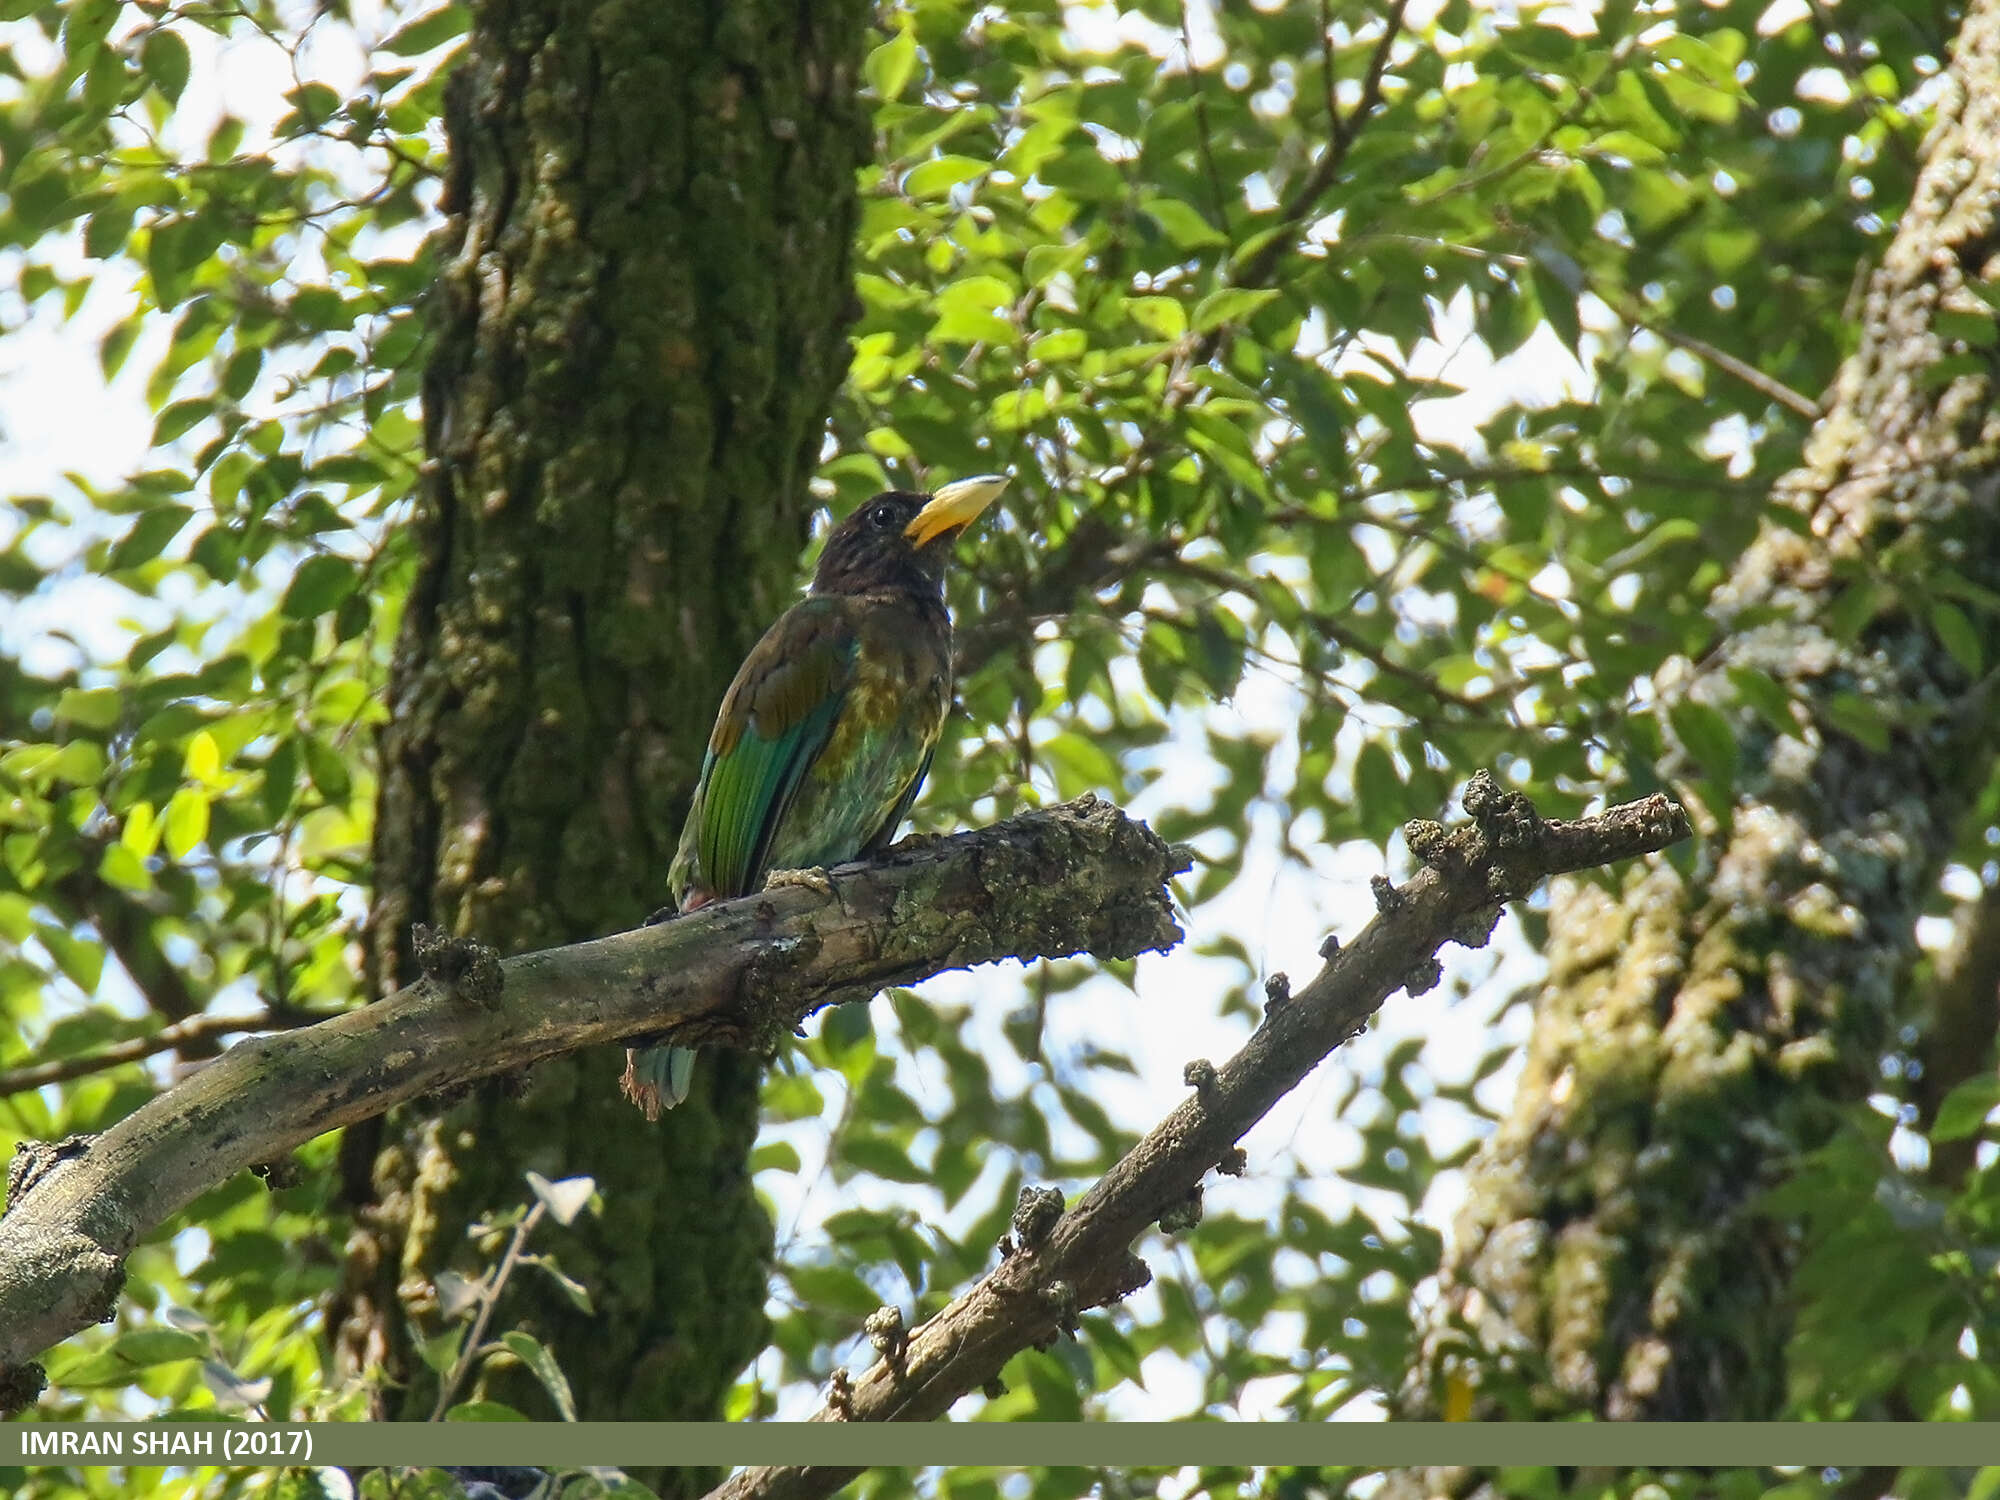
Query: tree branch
x=177, y=1037
x=1084, y=1258
x=1077, y=878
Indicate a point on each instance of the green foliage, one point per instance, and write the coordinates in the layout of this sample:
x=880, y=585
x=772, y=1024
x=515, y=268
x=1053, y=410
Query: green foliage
x=1287, y=557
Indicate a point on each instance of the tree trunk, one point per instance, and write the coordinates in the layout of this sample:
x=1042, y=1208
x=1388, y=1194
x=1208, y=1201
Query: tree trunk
x=638, y=330
x=1699, y=1029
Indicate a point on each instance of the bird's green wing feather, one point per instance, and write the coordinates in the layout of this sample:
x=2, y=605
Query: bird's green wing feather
x=775, y=721
x=887, y=832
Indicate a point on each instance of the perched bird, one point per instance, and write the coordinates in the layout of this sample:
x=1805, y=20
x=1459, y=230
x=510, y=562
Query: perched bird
x=825, y=735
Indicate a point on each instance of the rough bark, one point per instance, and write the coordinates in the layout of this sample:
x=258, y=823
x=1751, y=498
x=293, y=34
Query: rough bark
x=1078, y=878
x=1056, y=1264
x=639, y=326
x=1700, y=1028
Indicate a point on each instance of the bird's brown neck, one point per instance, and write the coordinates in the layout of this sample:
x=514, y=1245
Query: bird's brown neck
x=923, y=604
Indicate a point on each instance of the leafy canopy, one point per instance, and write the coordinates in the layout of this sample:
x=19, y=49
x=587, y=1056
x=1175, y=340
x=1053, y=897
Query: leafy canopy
x=1387, y=387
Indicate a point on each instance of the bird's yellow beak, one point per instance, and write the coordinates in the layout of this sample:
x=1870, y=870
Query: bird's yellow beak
x=954, y=507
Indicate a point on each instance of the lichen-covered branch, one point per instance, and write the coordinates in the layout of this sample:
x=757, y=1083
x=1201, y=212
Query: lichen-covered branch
x=1057, y=1264
x=1078, y=878
x=1699, y=1031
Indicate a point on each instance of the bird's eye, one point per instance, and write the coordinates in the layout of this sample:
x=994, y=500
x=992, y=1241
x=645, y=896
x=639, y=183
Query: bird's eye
x=883, y=518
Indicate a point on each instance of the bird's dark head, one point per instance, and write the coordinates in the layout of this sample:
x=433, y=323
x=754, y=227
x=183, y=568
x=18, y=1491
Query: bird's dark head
x=901, y=540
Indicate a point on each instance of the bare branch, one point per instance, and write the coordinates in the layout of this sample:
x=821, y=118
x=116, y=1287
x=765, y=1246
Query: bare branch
x=174, y=1038
x=1767, y=386
x=1079, y=878
x=1084, y=1258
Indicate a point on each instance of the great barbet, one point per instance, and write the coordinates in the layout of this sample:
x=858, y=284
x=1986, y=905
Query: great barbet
x=824, y=737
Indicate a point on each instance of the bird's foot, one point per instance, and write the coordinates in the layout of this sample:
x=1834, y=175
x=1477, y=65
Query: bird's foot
x=637, y=1089
x=664, y=914
x=815, y=879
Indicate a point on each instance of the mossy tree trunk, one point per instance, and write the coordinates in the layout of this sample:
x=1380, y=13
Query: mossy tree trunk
x=1700, y=1029
x=639, y=327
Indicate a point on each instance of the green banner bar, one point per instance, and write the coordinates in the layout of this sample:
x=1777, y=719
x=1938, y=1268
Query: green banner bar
x=982, y=1444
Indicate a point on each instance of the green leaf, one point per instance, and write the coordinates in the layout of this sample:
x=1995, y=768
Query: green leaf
x=1234, y=304
x=775, y=1156
x=129, y=1353
x=1959, y=637
x=1558, y=303
x=119, y=866
x=163, y=58
x=1858, y=719
x=889, y=66
x=532, y=1353
x=1378, y=790
x=148, y=537
x=80, y=959
x=116, y=344
x=432, y=29
x=94, y=708
x=832, y=1289
x=1979, y=330
x=142, y=830
x=80, y=763
x=1767, y=696
x=320, y=584
x=1182, y=223
x=969, y=312
x=328, y=771
x=85, y=26
x=186, y=821
x=577, y=1294
x=107, y=230
x=879, y=1156
x=1964, y=1110
x=1708, y=739
x=180, y=418
x=483, y=1411
x=935, y=178
x=202, y=761
x=1119, y=1351
x=1162, y=317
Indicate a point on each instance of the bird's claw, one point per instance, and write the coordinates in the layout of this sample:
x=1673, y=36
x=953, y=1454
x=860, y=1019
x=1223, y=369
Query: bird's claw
x=815, y=879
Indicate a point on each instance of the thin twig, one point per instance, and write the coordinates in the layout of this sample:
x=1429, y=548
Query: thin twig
x=488, y=1299
x=1205, y=134
x=135, y=1049
x=1765, y=385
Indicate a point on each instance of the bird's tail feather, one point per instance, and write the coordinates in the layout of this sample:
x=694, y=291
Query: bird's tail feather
x=657, y=1078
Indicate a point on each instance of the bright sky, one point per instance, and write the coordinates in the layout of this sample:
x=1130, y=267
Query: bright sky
x=60, y=417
